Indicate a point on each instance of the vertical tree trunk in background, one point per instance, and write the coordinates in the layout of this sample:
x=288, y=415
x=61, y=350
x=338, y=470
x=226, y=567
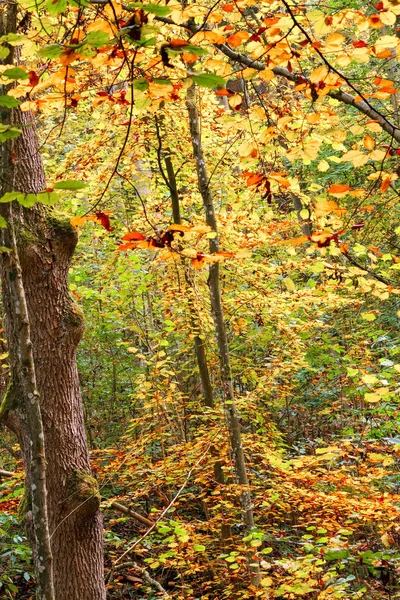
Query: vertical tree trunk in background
x=199, y=345
x=220, y=330
x=45, y=246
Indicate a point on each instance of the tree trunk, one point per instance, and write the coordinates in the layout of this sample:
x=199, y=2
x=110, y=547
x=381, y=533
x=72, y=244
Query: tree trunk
x=45, y=247
x=232, y=417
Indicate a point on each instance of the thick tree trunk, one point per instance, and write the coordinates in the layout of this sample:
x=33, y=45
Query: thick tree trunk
x=45, y=247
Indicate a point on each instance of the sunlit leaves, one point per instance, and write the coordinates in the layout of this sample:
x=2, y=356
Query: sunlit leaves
x=209, y=80
x=156, y=9
x=9, y=101
x=15, y=73
x=70, y=184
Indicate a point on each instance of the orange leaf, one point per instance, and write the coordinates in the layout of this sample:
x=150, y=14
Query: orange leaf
x=128, y=246
x=298, y=241
x=197, y=263
x=176, y=227
x=234, y=40
x=338, y=188
x=388, y=90
x=134, y=235
x=76, y=221
x=375, y=250
x=189, y=58
x=254, y=178
x=369, y=142
x=228, y=7
x=385, y=184
x=178, y=43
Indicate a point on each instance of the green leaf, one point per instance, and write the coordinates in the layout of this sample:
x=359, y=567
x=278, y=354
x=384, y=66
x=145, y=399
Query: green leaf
x=319, y=267
x=145, y=43
x=336, y=554
x=48, y=198
x=155, y=9
x=352, y=372
x=14, y=39
x=27, y=200
x=52, y=51
x=10, y=196
x=8, y=101
x=195, y=50
x=69, y=184
x=209, y=80
x=199, y=548
x=3, y=222
x=4, y=52
x=163, y=81
x=141, y=85
x=15, y=73
x=7, y=132
x=97, y=39
x=55, y=8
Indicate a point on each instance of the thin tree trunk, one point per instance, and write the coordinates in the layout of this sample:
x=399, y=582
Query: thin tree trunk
x=199, y=346
x=220, y=330
x=198, y=341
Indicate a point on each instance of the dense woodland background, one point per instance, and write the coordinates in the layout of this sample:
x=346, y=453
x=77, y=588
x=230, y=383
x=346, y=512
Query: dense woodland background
x=187, y=161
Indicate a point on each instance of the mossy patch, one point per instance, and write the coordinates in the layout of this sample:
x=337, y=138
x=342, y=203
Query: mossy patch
x=83, y=493
x=9, y=400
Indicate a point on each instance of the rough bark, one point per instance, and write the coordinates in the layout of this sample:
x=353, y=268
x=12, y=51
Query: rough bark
x=45, y=247
x=220, y=331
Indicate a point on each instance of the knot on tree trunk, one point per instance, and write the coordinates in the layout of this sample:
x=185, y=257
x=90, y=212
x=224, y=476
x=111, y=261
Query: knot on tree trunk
x=83, y=496
x=73, y=320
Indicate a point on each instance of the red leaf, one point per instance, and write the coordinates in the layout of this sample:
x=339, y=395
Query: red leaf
x=360, y=44
x=104, y=220
x=33, y=78
x=134, y=235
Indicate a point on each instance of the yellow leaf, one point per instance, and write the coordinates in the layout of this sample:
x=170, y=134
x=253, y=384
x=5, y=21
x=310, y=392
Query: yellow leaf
x=387, y=17
x=374, y=126
x=372, y=398
x=357, y=157
x=267, y=582
x=377, y=155
x=323, y=166
x=334, y=41
x=266, y=75
x=386, y=541
x=368, y=316
x=326, y=207
x=289, y=284
x=201, y=229
x=319, y=74
x=369, y=378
